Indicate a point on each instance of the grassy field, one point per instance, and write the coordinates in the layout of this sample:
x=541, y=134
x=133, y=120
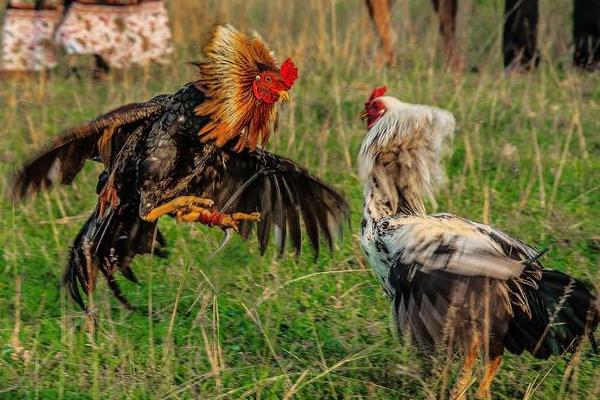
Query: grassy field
x=526, y=159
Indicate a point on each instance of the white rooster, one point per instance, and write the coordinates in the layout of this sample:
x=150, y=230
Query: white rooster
x=455, y=284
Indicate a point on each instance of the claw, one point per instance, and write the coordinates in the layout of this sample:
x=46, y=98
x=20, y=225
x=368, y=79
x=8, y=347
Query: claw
x=228, y=222
x=227, y=235
x=197, y=209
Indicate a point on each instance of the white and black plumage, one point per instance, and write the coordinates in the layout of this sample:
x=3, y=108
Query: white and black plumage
x=455, y=284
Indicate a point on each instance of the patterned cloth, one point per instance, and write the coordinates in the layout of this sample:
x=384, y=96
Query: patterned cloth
x=124, y=35
x=36, y=4
x=27, y=40
x=122, y=32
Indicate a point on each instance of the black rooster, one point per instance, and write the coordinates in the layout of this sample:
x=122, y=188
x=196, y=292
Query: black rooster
x=192, y=154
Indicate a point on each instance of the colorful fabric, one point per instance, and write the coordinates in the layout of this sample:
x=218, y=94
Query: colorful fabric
x=27, y=40
x=35, y=4
x=122, y=35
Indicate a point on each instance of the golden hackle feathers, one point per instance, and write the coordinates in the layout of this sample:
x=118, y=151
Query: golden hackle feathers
x=233, y=61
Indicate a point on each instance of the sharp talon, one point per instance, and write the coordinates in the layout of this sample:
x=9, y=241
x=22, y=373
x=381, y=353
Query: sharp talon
x=227, y=222
x=196, y=209
x=226, y=238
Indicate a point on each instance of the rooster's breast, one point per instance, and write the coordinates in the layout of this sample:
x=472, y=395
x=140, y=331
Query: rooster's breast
x=377, y=253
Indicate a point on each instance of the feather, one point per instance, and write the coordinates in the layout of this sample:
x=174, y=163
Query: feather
x=449, y=244
x=401, y=154
x=283, y=193
x=279, y=218
x=64, y=158
x=563, y=311
x=453, y=280
x=107, y=244
x=233, y=61
x=545, y=312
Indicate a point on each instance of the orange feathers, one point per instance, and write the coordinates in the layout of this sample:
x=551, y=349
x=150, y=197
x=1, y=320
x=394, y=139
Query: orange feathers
x=233, y=62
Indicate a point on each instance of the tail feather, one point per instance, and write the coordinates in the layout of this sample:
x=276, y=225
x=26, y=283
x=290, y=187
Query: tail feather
x=109, y=244
x=563, y=310
x=80, y=274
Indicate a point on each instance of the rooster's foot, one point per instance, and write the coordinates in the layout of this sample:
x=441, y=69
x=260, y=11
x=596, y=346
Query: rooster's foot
x=178, y=205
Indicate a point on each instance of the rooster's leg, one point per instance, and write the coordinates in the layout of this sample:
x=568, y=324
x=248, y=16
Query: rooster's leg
x=108, y=195
x=215, y=218
x=491, y=368
x=177, y=205
x=197, y=209
x=466, y=375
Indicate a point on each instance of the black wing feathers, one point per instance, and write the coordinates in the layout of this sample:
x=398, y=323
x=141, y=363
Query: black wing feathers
x=109, y=244
x=563, y=311
x=64, y=158
x=283, y=193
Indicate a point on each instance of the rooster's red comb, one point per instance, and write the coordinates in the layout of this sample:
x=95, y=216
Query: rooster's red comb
x=289, y=73
x=377, y=92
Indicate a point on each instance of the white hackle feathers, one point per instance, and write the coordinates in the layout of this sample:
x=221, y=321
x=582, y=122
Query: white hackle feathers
x=403, y=150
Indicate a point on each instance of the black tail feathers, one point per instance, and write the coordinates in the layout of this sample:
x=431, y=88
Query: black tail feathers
x=563, y=312
x=109, y=244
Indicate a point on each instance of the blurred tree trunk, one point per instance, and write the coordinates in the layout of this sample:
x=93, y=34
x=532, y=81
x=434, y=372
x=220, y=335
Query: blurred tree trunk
x=586, y=34
x=446, y=10
x=519, y=41
x=381, y=15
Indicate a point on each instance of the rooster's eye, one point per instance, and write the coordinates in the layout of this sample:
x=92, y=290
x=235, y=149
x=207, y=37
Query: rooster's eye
x=268, y=79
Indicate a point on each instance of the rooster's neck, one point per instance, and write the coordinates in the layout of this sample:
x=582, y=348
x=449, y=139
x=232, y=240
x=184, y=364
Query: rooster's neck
x=386, y=195
x=377, y=205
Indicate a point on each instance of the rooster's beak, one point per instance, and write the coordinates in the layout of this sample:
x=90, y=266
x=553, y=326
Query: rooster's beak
x=284, y=95
x=362, y=115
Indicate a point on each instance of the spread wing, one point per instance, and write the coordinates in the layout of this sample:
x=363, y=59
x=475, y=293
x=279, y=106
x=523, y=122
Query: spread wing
x=285, y=194
x=64, y=158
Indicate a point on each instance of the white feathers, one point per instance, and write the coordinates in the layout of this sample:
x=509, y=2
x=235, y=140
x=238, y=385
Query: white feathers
x=400, y=158
x=449, y=244
x=400, y=166
x=423, y=129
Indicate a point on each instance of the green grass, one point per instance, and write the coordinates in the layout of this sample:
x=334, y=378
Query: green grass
x=526, y=159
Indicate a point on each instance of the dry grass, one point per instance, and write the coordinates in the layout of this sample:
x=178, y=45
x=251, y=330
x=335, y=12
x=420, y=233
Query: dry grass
x=240, y=326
